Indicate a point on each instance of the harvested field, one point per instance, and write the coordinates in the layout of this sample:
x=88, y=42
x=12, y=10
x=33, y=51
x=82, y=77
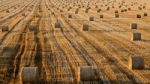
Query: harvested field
x=74, y=42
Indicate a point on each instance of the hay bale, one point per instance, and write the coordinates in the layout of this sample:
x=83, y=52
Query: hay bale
x=134, y=26
x=145, y=14
x=125, y=10
x=87, y=10
x=108, y=8
x=52, y=13
x=116, y=11
x=76, y=12
x=85, y=27
x=61, y=10
x=136, y=62
x=136, y=36
x=116, y=15
x=57, y=24
x=7, y=11
x=138, y=16
x=129, y=9
x=101, y=16
x=5, y=28
x=69, y=16
x=29, y=74
x=99, y=10
x=122, y=10
x=88, y=73
x=91, y=18
x=33, y=26
x=23, y=14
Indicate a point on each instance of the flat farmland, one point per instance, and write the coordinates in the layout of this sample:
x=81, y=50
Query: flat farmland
x=74, y=42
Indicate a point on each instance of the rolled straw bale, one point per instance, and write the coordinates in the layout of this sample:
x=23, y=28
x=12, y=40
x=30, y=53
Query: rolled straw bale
x=88, y=73
x=134, y=26
x=57, y=24
x=30, y=74
x=4, y=28
x=33, y=26
x=91, y=18
x=85, y=27
x=101, y=16
x=69, y=16
x=138, y=16
x=136, y=36
x=136, y=62
x=116, y=15
x=145, y=14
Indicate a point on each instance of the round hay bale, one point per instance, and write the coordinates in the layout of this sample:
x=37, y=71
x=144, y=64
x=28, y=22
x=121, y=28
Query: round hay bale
x=129, y=9
x=23, y=14
x=91, y=18
x=88, y=73
x=134, y=26
x=76, y=12
x=96, y=6
x=85, y=27
x=29, y=74
x=33, y=26
x=87, y=10
x=99, y=10
x=7, y=11
x=61, y=10
x=136, y=36
x=5, y=28
x=136, y=62
x=116, y=11
x=116, y=15
x=57, y=24
x=125, y=10
x=145, y=14
x=139, y=8
x=101, y=16
x=69, y=16
x=138, y=16
x=108, y=8
x=52, y=13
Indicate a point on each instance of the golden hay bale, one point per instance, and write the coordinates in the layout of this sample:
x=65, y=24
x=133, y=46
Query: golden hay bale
x=5, y=28
x=136, y=36
x=23, y=14
x=129, y=9
x=116, y=11
x=91, y=18
x=136, y=62
x=52, y=13
x=116, y=15
x=30, y=74
x=33, y=26
x=108, y=8
x=139, y=8
x=61, y=10
x=134, y=26
x=122, y=10
x=101, y=16
x=76, y=12
x=99, y=10
x=87, y=10
x=57, y=24
x=7, y=11
x=85, y=27
x=69, y=16
x=138, y=16
x=145, y=14
x=87, y=73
